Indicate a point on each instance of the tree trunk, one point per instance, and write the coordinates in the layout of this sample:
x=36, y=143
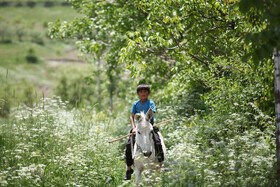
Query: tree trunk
x=277, y=107
x=111, y=91
x=99, y=83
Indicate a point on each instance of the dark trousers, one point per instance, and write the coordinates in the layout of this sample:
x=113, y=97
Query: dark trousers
x=158, y=147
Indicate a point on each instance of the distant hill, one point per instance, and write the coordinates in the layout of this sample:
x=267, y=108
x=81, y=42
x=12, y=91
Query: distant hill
x=34, y=3
x=26, y=49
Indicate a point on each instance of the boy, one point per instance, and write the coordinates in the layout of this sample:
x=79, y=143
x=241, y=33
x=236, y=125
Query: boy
x=144, y=104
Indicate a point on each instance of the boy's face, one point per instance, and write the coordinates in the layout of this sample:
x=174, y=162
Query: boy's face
x=143, y=94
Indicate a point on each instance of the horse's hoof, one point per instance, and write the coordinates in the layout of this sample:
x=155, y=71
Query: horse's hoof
x=128, y=174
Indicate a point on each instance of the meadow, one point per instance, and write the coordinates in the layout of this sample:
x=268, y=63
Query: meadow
x=32, y=64
x=50, y=145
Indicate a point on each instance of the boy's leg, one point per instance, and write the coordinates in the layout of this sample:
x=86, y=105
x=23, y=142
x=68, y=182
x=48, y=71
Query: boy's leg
x=128, y=155
x=128, y=158
x=158, y=146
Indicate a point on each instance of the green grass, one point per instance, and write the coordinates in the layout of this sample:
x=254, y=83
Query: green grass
x=13, y=55
x=50, y=145
x=59, y=147
x=38, y=14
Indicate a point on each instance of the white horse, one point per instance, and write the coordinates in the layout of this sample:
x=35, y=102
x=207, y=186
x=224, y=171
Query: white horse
x=144, y=149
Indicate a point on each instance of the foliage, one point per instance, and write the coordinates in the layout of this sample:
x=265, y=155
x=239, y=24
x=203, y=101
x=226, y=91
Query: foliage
x=76, y=90
x=265, y=35
x=191, y=52
x=164, y=46
x=12, y=95
x=49, y=145
x=30, y=57
x=218, y=155
x=192, y=55
x=21, y=54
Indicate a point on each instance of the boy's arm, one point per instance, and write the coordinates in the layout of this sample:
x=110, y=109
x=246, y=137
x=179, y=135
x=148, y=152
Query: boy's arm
x=132, y=123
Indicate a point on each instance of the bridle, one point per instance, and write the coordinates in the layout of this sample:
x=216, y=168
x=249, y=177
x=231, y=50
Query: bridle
x=138, y=147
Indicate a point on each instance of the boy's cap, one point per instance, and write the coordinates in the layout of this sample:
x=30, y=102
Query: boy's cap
x=143, y=87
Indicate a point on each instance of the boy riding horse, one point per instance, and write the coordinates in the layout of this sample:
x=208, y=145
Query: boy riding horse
x=144, y=104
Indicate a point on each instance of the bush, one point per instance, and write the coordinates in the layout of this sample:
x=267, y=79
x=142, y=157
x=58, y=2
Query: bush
x=65, y=4
x=19, y=4
x=49, y=145
x=7, y=41
x=5, y=100
x=20, y=32
x=4, y=4
x=76, y=90
x=49, y=4
x=12, y=95
x=45, y=24
x=31, y=57
x=6, y=33
x=213, y=150
x=31, y=4
x=36, y=37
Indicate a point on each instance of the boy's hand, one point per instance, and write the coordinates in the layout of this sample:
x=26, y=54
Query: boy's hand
x=133, y=131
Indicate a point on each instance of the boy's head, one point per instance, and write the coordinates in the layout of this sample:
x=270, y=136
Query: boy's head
x=143, y=91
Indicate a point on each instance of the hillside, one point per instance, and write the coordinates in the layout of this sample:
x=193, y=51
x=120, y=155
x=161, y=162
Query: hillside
x=28, y=57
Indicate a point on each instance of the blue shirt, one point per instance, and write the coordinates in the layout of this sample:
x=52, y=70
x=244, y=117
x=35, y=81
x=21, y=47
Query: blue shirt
x=137, y=107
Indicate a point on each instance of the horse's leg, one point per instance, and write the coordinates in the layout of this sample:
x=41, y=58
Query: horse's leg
x=137, y=175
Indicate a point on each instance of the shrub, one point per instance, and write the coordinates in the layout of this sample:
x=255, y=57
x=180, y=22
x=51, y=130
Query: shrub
x=6, y=33
x=65, y=4
x=4, y=3
x=49, y=145
x=36, y=37
x=30, y=57
x=19, y=4
x=20, y=33
x=31, y=4
x=49, y=4
x=12, y=95
x=7, y=41
x=76, y=90
x=214, y=151
x=5, y=100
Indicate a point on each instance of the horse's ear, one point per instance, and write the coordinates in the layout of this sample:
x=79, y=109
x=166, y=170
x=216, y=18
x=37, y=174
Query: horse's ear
x=149, y=114
x=137, y=117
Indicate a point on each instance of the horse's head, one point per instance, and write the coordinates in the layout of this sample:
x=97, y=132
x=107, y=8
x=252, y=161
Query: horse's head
x=144, y=132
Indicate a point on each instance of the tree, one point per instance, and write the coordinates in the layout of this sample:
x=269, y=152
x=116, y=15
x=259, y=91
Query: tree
x=193, y=50
x=265, y=44
x=157, y=40
x=100, y=33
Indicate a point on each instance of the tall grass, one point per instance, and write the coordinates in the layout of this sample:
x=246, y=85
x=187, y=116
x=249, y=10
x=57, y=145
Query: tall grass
x=215, y=150
x=49, y=145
